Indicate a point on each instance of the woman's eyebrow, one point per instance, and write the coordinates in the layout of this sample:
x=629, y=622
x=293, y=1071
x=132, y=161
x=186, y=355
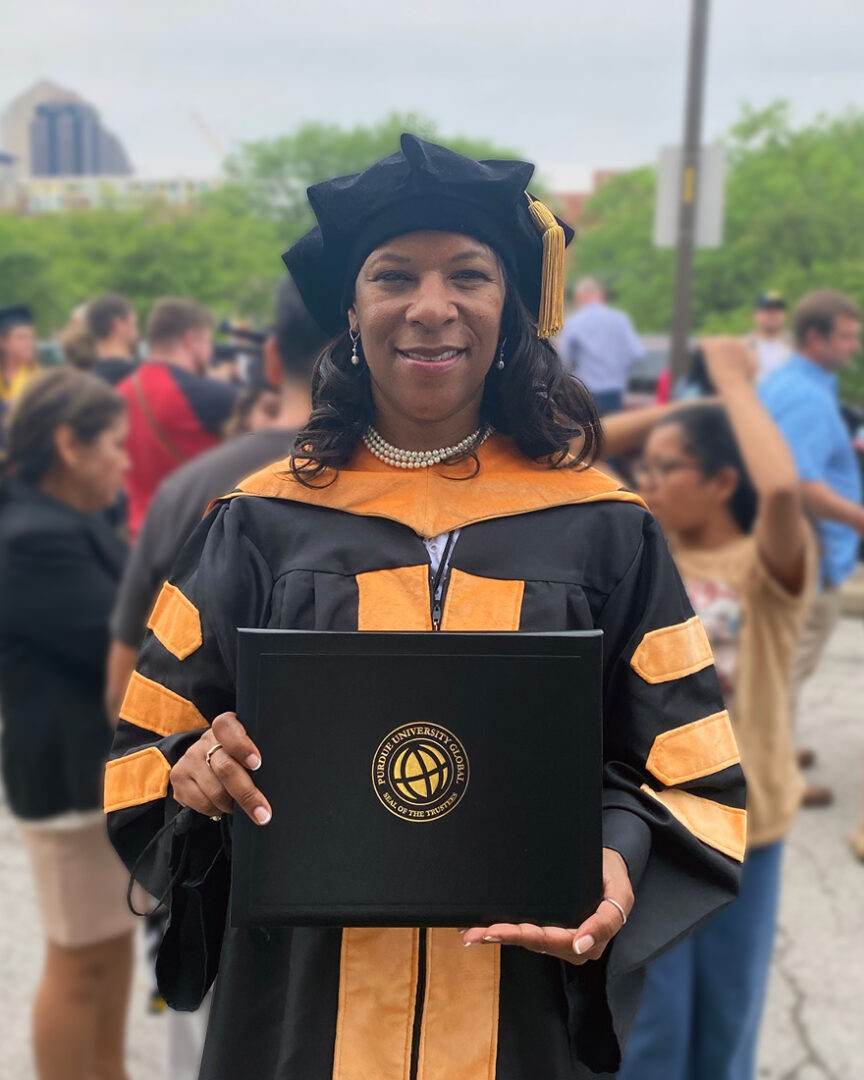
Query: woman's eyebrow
x=471, y=253
x=393, y=257
x=388, y=256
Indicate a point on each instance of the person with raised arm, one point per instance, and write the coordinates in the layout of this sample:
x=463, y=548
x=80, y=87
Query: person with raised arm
x=723, y=484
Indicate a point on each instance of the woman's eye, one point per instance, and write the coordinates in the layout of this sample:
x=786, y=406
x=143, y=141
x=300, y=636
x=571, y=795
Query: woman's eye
x=472, y=276
x=391, y=275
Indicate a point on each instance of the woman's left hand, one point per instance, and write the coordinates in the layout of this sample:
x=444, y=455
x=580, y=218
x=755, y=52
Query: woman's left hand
x=728, y=361
x=587, y=941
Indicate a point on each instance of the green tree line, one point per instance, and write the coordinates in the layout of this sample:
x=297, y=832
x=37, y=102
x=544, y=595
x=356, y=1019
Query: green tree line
x=224, y=252
x=55, y=261
x=794, y=221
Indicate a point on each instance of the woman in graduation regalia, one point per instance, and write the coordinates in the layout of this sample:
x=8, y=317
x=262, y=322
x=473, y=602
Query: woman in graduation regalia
x=433, y=488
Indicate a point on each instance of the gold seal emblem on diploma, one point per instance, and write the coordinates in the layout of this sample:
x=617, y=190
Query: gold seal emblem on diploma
x=420, y=772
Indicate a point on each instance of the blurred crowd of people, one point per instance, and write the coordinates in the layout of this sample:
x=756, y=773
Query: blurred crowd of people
x=749, y=465
x=113, y=457
x=119, y=448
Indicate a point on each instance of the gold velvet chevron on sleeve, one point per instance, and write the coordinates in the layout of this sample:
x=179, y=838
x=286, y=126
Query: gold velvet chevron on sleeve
x=695, y=750
x=673, y=652
x=176, y=622
x=722, y=827
x=151, y=705
x=136, y=778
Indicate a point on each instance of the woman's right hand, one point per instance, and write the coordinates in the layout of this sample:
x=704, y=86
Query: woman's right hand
x=214, y=788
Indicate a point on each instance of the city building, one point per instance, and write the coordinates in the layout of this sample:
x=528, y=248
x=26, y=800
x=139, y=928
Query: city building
x=56, y=155
x=67, y=139
x=16, y=117
x=61, y=139
x=52, y=131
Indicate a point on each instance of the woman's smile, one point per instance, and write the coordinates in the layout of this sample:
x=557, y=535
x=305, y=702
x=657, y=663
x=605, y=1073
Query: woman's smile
x=435, y=361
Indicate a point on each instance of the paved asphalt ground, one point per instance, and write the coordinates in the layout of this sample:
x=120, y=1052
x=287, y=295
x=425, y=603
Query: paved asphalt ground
x=814, y=1026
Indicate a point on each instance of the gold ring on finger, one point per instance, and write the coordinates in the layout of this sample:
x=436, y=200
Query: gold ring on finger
x=211, y=752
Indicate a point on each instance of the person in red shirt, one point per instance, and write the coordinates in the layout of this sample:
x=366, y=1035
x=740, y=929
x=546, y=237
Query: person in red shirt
x=176, y=411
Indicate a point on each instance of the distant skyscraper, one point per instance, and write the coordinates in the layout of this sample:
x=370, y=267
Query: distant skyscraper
x=16, y=117
x=67, y=139
x=112, y=156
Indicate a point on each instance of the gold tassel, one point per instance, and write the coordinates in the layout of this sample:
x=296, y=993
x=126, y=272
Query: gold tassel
x=550, y=318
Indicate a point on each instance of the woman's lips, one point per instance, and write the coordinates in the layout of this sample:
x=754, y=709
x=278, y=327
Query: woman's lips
x=428, y=360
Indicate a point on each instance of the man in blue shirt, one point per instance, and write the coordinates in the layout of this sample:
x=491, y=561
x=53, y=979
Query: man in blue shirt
x=802, y=398
x=599, y=346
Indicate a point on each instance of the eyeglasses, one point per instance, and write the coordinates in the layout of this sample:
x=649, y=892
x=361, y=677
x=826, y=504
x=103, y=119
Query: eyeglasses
x=660, y=471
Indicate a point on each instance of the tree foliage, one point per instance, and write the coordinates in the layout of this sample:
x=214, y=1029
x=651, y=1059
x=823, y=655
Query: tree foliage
x=268, y=178
x=794, y=222
x=55, y=261
x=224, y=252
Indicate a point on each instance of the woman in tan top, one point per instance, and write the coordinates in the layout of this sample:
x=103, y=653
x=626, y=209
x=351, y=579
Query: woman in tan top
x=723, y=485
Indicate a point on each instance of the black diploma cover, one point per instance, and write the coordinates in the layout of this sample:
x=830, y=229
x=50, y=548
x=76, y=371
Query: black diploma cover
x=425, y=779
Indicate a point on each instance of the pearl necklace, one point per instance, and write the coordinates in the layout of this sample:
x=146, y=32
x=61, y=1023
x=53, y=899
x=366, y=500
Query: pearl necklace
x=420, y=459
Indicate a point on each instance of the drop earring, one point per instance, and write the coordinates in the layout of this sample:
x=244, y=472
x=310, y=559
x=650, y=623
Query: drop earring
x=500, y=364
x=355, y=338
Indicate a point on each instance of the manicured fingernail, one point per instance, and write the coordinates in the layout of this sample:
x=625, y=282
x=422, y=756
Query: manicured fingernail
x=261, y=815
x=253, y=762
x=492, y=940
x=468, y=944
x=583, y=944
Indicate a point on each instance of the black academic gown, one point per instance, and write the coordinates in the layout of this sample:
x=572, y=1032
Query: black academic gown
x=540, y=549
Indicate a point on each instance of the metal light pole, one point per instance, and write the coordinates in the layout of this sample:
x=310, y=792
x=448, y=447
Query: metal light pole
x=689, y=184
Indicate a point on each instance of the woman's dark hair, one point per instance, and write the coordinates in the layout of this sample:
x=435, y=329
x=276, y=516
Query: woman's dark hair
x=62, y=396
x=533, y=399
x=707, y=435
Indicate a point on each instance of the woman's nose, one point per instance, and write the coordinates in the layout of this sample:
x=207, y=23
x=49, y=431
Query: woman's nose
x=431, y=305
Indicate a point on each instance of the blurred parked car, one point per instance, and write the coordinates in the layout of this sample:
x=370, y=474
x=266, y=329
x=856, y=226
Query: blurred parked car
x=644, y=376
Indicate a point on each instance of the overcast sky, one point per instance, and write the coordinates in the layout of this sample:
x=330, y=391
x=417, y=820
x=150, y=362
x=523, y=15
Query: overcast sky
x=569, y=83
